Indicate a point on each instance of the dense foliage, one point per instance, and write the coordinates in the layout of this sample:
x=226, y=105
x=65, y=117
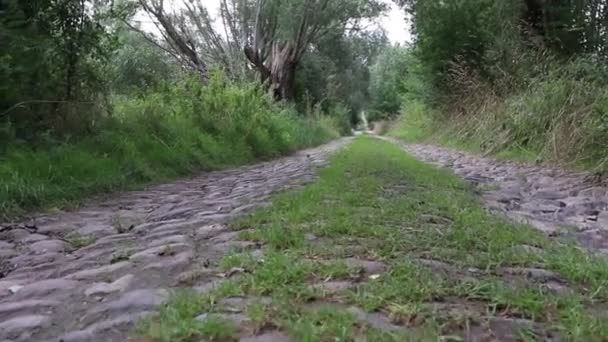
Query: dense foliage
x=347, y=59
x=53, y=55
x=178, y=130
x=92, y=99
x=528, y=77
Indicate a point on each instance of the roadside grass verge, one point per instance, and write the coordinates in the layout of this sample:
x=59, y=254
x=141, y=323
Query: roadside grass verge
x=557, y=116
x=421, y=124
x=385, y=248
x=185, y=129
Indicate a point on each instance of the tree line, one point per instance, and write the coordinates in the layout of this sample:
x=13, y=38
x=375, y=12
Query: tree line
x=102, y=95
x=524, y=75
x=64, y=56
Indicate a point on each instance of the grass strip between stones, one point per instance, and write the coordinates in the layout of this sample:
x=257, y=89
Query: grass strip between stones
x=385, y=248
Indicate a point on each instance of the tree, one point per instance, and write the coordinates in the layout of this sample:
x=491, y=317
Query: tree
x=262, y=30
x=52, y=53
x=387, y=80
x=276, y=46
x=138, y=66
x=336, y=70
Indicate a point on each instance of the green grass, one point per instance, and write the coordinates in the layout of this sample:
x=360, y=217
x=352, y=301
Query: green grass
x=418, y=124
x=374, y=202
x=558, y=116
x=78, y=240
x=183, y=130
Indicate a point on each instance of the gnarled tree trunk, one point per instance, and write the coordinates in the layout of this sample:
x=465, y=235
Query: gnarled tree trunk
x=282, y=71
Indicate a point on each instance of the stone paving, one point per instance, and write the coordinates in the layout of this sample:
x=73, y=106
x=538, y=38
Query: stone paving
x=87, y=275
x=553, y=200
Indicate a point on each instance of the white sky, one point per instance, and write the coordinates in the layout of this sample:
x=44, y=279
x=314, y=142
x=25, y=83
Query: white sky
x=394, y=22
x=396, y=26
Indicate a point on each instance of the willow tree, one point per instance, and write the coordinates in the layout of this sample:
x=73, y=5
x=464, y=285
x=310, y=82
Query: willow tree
x=271, y=36
x=283, y=31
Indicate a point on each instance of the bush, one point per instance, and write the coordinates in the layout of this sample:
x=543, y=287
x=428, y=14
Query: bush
x=415, y=122
x=185, y=128
x=561, y=115
x=341, y=117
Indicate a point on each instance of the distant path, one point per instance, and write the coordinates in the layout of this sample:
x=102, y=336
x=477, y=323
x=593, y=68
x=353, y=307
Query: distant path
x=54, y=288
x=551, y=199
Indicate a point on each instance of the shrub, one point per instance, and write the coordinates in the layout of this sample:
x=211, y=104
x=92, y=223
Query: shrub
x=560, y=115
x=185, y=128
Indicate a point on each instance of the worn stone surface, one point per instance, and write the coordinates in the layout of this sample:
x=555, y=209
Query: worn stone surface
x=274, y=336
x=145, y=243
x=550, y=199
x=45, y=288
x=331, y=287
x=537, y=274
x=22, y=327
x=368, y=266
x=238, y=319
x=101, y=289
x=375, y=319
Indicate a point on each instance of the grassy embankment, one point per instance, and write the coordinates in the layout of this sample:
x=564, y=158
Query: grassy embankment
x=560, y=116
x=160, y=136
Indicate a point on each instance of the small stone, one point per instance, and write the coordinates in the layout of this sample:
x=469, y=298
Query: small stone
x=506, y=329
x=34, y=238
x=7, y=254
x=94, y=330
x=160, y=251
x=101, y=289
x=225, y=237
x=435, y=264
x=235, y=246
x=25, y=260
x=236, y=318
x=602, y=219
x=15, y=235
x=172, y=262
x=6, y=245
x=167, y=240
x=205, y=288
x=48, y=246
x=15, y=288
x=14, y=327
x=233, y=304
x=46, y=287
x=5, y=286
x=257, y=254
x=332, y=287
x=310, y=237
x=538, y=274
x=25, y=305
x=550, y=195
x=134, y=300
x=374, y=319
x=556, y=286
x=202, y=317
x=212, y=230
x=192, y=276
x=370, y=267
x=98, y=272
